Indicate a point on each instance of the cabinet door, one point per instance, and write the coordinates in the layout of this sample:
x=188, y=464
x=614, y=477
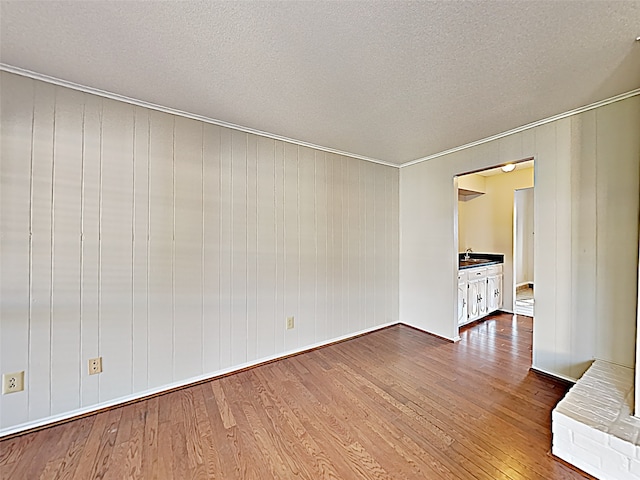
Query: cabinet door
x=499, y=284
x=482, y=297
x=473, y=302
x=492, y=293
x=462, y=303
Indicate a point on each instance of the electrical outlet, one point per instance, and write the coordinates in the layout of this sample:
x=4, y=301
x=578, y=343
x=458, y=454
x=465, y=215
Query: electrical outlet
x=95, y=365
x=12, y=382
x=290, y=323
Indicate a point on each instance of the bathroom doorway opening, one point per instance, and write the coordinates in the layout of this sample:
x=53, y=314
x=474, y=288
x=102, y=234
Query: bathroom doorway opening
x=486, y=222
x=523, y=251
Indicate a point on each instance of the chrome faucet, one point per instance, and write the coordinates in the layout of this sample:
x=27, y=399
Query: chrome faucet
x=466, y=253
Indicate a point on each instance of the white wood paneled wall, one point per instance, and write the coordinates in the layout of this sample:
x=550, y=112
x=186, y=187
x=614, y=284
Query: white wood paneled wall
x=587, y=170
x=173, y=248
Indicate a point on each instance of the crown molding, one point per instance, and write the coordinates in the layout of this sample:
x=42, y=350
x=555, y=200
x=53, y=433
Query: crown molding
x=161, y=108
x=537, y=123
x=133, y=101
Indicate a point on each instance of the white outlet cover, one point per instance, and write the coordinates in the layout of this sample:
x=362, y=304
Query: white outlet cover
x=95, y=366
x=12, y=382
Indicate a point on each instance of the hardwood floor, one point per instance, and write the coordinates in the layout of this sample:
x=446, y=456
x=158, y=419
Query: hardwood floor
x=394, y=404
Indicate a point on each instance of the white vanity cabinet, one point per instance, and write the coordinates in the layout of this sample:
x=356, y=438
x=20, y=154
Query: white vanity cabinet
x=481, y=287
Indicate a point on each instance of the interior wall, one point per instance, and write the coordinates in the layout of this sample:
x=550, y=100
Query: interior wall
x=586, y=253
x=173, y=248
x=488, y=221
x=524, y=236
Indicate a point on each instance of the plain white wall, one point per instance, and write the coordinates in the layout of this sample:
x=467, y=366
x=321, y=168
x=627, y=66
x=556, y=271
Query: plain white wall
x=173, y=248
x=586, y=209
x=487, y=221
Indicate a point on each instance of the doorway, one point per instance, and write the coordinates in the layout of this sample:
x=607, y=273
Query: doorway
x=486, y=223
x=523, y=241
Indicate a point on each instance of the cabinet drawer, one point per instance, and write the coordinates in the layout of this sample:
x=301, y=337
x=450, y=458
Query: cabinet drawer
x=475, y=273
x=494, y=269
x=462, y=277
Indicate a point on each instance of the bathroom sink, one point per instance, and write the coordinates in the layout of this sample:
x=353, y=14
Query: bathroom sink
x=475, y=261
x=479, y=259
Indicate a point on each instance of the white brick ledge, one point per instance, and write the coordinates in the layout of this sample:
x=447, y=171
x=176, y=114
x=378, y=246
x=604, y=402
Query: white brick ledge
x=593, y=427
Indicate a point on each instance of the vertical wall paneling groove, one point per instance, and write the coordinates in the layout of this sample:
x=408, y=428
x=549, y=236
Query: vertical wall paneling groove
x=281, y=265
x=353, y=313
x=316, y=320
x=545, y=260
x=306, y=321
x=212, y=207
x=583, y=238
x=160, y=248
x=252, y=247
x=331, y=248
x=38, y=380
x=202, y=249
x=30, y=244
x=238, y=248
x=225, y=248
x=188, y=248
x=14, y=246
x=133, y=250
x=380, y=253
x=336, y=245
x=564, y=221
x=266, y=276
x=369, y=251
x=140, y=281
x=116, y=244
x=81, y=252
x=337, y=213
x=322, y=299
x=346, y=245
x=98, y=240
x=65, y=364
x=388, y=272
x=172, y=248
x=343, y=192
x=618, y=145
x=291, y=241
x=361, y=250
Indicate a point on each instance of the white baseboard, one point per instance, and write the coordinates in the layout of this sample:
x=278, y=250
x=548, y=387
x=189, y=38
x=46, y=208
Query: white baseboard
x=554, y=374
x=183, y=383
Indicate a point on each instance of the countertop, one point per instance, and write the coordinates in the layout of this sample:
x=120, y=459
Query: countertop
x=479, y=260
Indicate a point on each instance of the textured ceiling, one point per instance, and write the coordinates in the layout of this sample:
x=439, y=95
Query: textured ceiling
x=390, y=80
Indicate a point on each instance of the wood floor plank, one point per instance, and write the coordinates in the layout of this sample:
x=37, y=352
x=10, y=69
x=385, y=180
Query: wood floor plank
x=221, y=440
x=69, y=462
x=101, y=462
x=165, y=435
x=134, y=457
x=150, y=447
x=393, y=404
x=211, y=458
